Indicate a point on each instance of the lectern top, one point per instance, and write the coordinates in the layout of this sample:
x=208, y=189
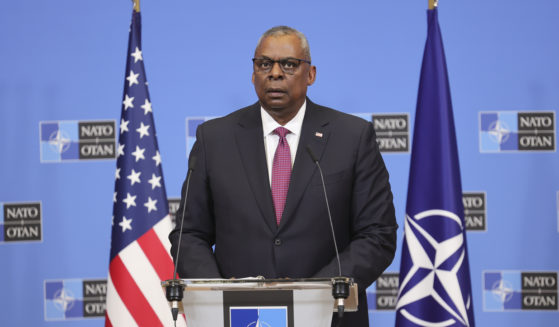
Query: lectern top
x=259, y=283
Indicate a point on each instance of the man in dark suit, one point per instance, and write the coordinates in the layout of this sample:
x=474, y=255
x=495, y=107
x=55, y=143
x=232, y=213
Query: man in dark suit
x=256, y=194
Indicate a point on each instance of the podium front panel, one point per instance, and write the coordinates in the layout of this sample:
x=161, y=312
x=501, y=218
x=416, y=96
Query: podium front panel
x=248, y=308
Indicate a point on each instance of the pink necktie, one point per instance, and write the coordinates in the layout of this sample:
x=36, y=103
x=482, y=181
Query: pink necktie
x=281, y=172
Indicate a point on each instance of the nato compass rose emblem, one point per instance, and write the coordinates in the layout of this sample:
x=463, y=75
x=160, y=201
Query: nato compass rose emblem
x=499, y=131
x=258, y=316
x=259, y=323
x=63, y=299
x=59, y=141
x=431, y=292
x=502, y=290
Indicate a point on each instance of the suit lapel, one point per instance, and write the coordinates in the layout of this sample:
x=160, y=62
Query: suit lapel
x=315, y=136
x=250, y=142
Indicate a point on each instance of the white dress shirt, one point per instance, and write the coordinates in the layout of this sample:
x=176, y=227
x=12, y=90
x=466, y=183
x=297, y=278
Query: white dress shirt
x=271, y=140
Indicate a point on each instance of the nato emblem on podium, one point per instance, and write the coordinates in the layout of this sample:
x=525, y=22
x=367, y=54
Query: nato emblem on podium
x=258, y=308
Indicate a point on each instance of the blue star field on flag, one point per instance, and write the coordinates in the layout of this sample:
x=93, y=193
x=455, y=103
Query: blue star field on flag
x=140, y=200
x=435, y=287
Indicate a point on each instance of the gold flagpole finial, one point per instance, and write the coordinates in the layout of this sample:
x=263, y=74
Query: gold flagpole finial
x=433, y=4
x=137, y=5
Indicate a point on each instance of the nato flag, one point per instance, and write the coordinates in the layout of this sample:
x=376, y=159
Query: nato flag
x=435, y=288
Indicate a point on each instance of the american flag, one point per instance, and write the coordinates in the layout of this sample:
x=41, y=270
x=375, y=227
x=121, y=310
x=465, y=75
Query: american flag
x=140, y=256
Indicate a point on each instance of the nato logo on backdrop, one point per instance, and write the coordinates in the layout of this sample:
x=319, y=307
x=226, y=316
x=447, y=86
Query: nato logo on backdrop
x=512, y=131
x=191, y=126
x=21, y=222
x=385, y=294
x=70, y=140
x=174, y=204
x=393, y=132
x=75, y=299
x=519, y=290
x=475, y=211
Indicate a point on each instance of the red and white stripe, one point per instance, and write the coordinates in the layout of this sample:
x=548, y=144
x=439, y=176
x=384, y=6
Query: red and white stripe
x=134, y=293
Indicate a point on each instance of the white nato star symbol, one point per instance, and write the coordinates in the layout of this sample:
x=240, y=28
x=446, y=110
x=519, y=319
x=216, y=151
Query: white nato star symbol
x=137, y=55
x=139, y=153
x=114, y=197
x=143, y=130
x=150, y=205
x=120, y=150
x=503, y=291
x=132, y=78
x=155, y=181
x=64, y=299
x=134, y=177
x=128, y=102
x=130, y=200
x=499, y=131
x=59, y=141
x=157, y=158
x=147, y=107
x=446, y=276
x=124, y=125
x=117, y=173
x=125, y=224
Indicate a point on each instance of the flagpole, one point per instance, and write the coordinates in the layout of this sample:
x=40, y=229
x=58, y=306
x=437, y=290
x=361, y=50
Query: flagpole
x=432, y=4
x=137, y=5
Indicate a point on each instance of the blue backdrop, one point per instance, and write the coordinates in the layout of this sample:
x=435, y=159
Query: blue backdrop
x=62, y=62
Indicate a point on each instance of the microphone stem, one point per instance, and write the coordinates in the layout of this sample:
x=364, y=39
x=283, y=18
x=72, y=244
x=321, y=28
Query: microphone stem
x=182, y=222
x=330, y=219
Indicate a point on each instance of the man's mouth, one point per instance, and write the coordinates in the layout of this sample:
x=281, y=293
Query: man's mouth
x=272, y=92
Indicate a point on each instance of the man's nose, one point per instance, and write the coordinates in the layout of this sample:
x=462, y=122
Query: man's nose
x=276, y=71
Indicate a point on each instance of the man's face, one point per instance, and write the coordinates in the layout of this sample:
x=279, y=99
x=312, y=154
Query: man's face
x=277, y=91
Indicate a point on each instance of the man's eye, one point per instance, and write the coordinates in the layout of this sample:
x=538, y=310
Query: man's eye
x=265, y=64
x=290, y=64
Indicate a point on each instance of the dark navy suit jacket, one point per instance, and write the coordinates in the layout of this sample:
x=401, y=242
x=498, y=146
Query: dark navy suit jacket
x=230, y=204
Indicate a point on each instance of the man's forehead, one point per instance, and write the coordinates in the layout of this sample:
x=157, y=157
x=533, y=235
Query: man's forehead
x=280, y=46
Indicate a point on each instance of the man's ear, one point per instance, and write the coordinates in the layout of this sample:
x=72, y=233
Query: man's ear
x=252, y=78
x=312, y=76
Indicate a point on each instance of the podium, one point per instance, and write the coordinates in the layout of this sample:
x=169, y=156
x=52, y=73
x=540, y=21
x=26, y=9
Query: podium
x=259, y=302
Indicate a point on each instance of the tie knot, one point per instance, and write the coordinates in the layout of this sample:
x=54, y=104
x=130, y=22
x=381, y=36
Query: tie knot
x=281, y=131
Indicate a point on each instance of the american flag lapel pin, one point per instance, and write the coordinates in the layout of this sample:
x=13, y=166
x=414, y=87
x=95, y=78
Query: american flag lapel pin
x=318, y=134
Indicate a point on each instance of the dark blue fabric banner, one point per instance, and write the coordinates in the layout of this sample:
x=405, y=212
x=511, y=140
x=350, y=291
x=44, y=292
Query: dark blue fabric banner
x=435, y=287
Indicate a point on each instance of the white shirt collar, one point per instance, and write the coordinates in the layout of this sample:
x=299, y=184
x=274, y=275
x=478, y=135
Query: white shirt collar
x=294, y=125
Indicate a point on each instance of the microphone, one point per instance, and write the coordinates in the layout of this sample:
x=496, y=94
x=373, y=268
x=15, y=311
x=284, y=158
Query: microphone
x=340, y=290
x=175, y=287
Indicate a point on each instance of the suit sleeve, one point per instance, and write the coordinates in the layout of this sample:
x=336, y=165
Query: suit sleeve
x=197, y=258
x=373, y=223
